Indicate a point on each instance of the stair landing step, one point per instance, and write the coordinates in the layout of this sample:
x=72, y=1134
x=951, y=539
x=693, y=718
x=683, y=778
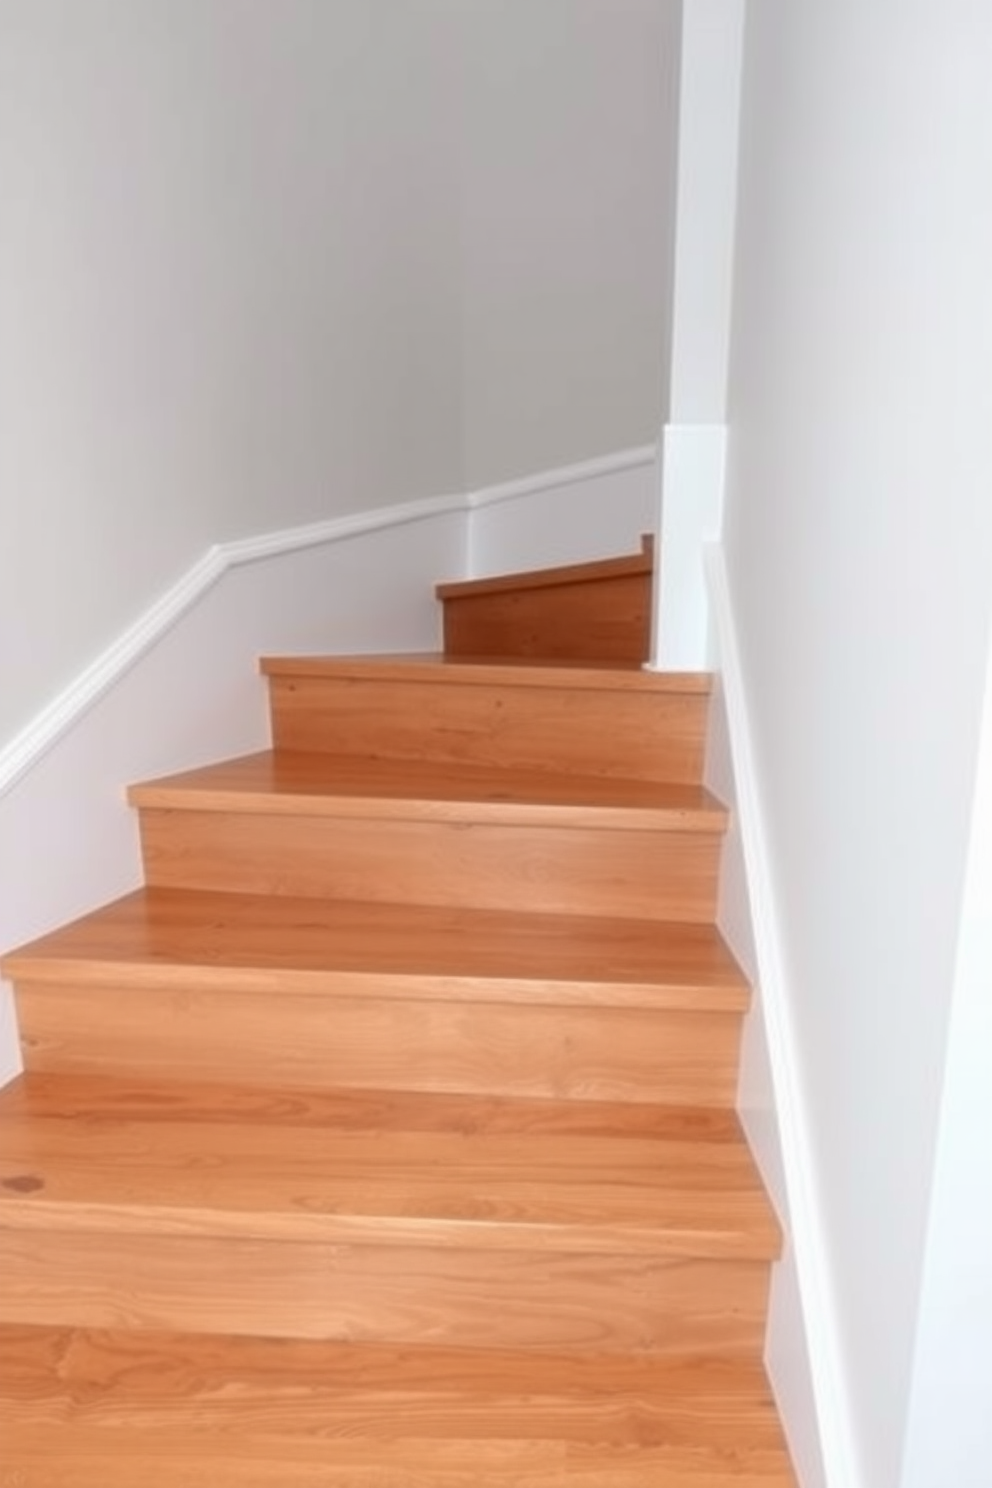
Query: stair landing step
x=257, y=943
x=333, y=1182
x=284, y=783
x=410, y=1416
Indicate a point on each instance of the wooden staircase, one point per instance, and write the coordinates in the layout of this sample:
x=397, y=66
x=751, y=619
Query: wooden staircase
x=386, y=1137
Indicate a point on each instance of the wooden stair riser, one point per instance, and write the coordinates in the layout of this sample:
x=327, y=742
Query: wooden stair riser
x=93, y=1458
x=659, y=875
x=374, y=1041
x=640, y=735
x=387, y=1294
x=293, y=1387
x=606, y=619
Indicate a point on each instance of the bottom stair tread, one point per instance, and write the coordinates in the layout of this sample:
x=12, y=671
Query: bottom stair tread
x=186, y=1410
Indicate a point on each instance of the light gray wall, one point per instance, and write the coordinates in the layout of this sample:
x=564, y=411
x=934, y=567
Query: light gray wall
x=949, y=1439
x=226, y=266
x=859, y=543
x=267, y=261
x=568, y=193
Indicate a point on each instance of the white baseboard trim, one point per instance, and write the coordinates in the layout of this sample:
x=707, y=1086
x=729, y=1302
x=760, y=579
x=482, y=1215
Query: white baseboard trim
x=805, y=1219
x=37, y=737
x=564, y=475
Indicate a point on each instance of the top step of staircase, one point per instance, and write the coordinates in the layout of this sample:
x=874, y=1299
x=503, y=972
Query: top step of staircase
x=599, y=611
x=550, y=578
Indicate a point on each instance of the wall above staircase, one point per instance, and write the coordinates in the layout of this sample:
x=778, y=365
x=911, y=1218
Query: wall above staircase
x=226, y=310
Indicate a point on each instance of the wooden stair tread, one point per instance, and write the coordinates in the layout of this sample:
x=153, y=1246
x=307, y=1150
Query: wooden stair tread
x=97, y=1098
x=163, y=936
x=626, y=565
x=277, y=1180
x=289, y=783
x=323, y=1391
x=616, y=676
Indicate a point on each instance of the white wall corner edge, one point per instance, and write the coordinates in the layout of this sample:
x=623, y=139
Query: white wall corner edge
x=803, y=1328
x=689, y=515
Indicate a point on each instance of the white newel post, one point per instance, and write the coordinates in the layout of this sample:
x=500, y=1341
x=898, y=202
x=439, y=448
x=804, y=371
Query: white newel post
x=691, y=461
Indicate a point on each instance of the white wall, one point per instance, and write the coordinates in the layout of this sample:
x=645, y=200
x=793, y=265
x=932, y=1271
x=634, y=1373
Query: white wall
x=858, y=539
x=568, y=193
x=268, y=261
x=597, y=509
x=950, y=1424
x=229, y=244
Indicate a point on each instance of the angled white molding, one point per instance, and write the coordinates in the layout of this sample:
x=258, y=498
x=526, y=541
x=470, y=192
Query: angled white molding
x=28, y=746
x=336, y=529
x=798, y=1158
x=564, y=475
x=47, y=727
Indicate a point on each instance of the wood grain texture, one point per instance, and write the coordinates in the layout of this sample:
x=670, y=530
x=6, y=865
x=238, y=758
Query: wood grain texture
x=387, y=1136
x=309, y=1040
x=476, y=1191
x=637, y=732
x=484, y=671
x=602, y=616
x=84, y=1458
x=174, y=938
x=328, y=1396
x=97, y=1099
x=641, y=875
x=625, y=565
x=389, y=1293
x=308, y=784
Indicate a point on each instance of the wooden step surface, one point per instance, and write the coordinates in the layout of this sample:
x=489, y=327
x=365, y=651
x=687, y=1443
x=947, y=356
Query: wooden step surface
x=386, y=1137
x=606, y=720
x=87, y=1099
x=399, y=831
x=84, y=1405
x=536, y=673
x=309, y=993
x=596, y=610
x=361, y=1039
x=406, y=1293
x=287, y=783
x=264, y=943
x=276, y=1178
x=407, y=1222
x=621, y=566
